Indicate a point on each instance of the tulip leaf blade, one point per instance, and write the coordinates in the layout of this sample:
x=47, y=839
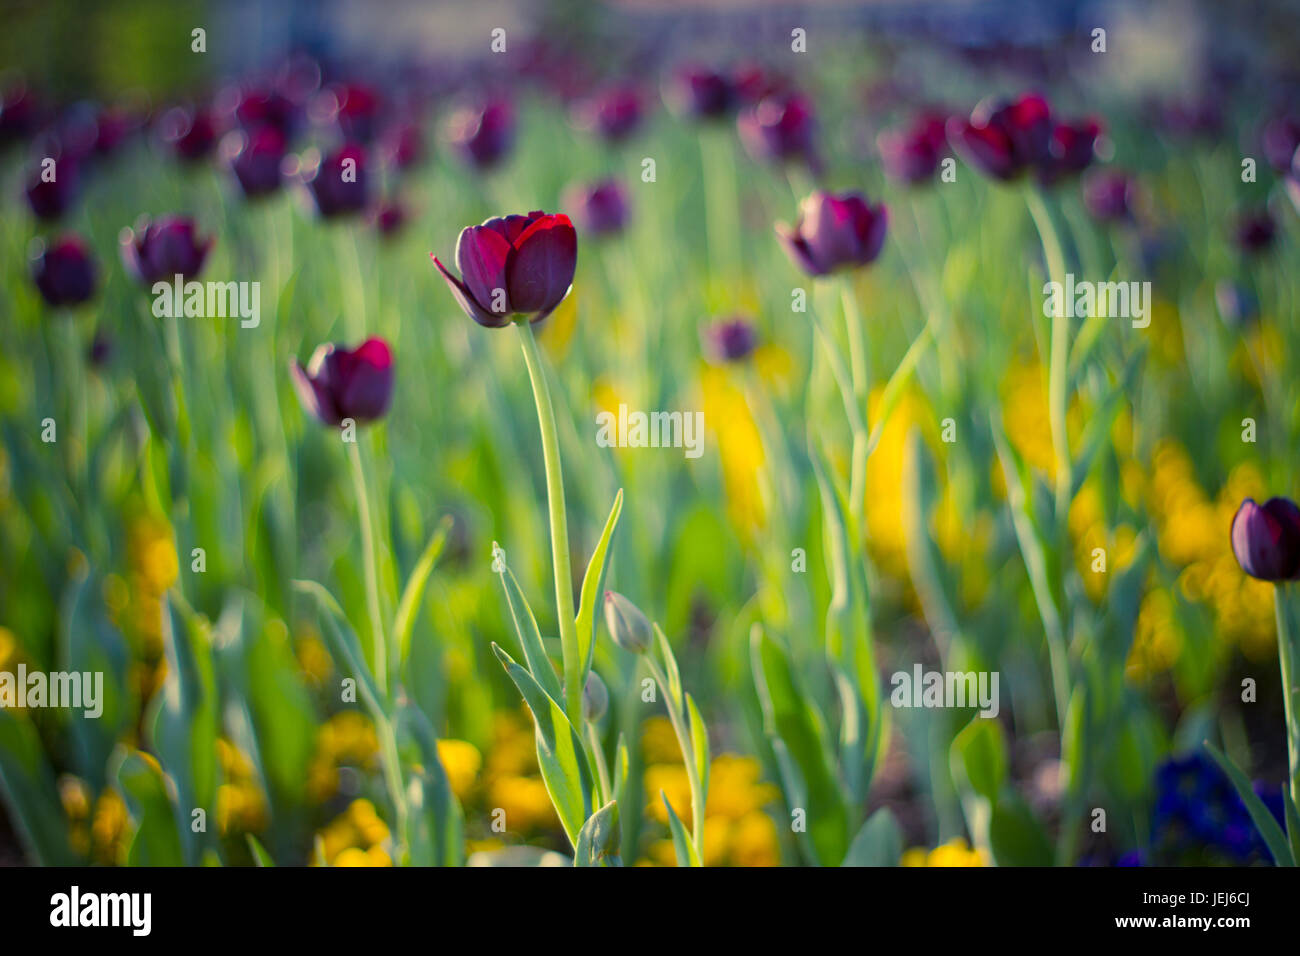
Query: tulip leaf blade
x=593, y=584
x=343, y=642
x=683, y=848
x=530, y=638
x=699, y=742
x=598, y=840
x=260, y=856
x=878, y=843
x=1260, y=815
x=413, y=593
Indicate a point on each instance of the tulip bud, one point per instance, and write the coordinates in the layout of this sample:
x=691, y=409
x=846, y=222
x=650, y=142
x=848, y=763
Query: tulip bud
x=49, y=199
x=1109, y=194
x=834, y=232
x=595, y=698
x=701, y=93
x=64, y=271
x=912, y=155
x=190, y=134
x=341, y=383
x=1266, y=539
x=730, y=340
x=614, y=113
x=779, y=129
x=1003, y=140
x=627, y=625
x=256, y=159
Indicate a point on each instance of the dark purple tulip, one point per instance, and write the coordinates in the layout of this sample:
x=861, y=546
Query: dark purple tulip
x=339, y=183
x=1255, y=232
x=730, y=340
x=50, y=200
x=519, y=265
x=1003, y=140
x=257, y=107
x=834, y=232
x=912, y=155
x=702, y=93
x=780, y=128
x=112, y=126
x=614, y=114
x=19, y=113
x=753, y=82
x=1196, y=118
x=600, y=209
x=355, y=110
x=1109, y=195
x=256, y=159
x=388, y=218
x=159, y=250
x=1281, y=139
x=101, y=349
x=341, y=383
x=189, y=133
x=402, y=145
x=1070, y=150
x=1266, y=539
x=64, y=271
x=483, y=135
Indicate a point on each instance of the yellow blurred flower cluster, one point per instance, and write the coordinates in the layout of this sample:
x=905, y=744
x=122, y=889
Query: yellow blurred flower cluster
x=740, y=448
x=241, y=804
x=97, y=826
x=356, y=837
x=347, y=739
x=953, y=853
x=511, y=780
x=737, y=829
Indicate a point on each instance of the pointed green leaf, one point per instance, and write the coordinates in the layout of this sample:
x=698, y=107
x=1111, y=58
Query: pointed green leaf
x=598, y=839
x=593, y=585
x=878, y=843
x=539, y=665
x=699, y=742
x=1264, y=820
x=260, y=856
x=31, y=796
x=157, y=837
x=682, y=845
x=344, y=646
x=413, y=594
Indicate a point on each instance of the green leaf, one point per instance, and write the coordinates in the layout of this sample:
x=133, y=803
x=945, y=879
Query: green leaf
x=343, y=643
x=436, y=826
x=1016, y=838
x=878, y=843
x=1264, y=821
x=560, y=754
x=413, y=594
x=979, y=757
x=699, y=742
x=674, y=688
x=31, y=796
x=598, y=839
x=157, y=838
x=260, y=856
x=539, y=665
x=1096, y=432
x=1292, y=821
x=682, y=845
x=593, y=585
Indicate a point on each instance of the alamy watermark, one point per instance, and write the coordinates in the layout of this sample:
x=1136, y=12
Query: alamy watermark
x=73, y=689
x=942, y=689
x=1110, y=300
x=208, y=300
x=651, y=430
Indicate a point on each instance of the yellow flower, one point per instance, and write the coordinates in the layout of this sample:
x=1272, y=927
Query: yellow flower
x=525, y=800
x=754, y=840
x=740, y=448
x=354, y=856
x=461, y=761
x=659, y=741
x=953, y=853
x=313, y=658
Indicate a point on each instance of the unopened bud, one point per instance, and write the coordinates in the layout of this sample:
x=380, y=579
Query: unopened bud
x=595, y=698
x=627, y=625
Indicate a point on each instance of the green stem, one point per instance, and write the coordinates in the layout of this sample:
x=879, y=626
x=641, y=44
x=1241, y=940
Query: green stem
x=1288, y=652
x=858, y=368
x=602, y=770
x=1059, y=352
x=559, y=524
x=722, y=221
x=688, y=758
x=372, y=578
x=393, y=782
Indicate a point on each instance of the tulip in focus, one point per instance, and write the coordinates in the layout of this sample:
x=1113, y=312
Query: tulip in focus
x=340, y=383
x=1266, y=539
x=834, y=232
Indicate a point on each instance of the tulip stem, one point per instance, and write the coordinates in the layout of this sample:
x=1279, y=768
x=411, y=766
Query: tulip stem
x=722, y=221
x=1285, y=595
x=368, y=564
x=602, y=770
x=559, y=524
x=858, y=368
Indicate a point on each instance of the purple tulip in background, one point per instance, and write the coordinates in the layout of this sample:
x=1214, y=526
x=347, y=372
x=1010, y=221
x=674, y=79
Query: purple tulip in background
x=402, y=145
x=340, y=383
x=159, y=250
x=1109, y=195
x=388, y=218
x=64, y=271
x=1266, y=539
x=730, y=340
x=189, y=133
x=615, y=113
x=701, y=93
x=50, y=199
x=834, y=232
x=355, y=110
x=1281, y=139
x=482, y=135
x=1004, y=140
x=912, y=155
x=339, y=183
x=1255, y=232
x=1070, y=150
x=519, y=265
x=780, y=128
x=257, y=159
x=600, y=209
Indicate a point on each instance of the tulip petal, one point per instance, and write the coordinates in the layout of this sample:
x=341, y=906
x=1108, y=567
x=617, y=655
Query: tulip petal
x=482, y=253
x=543, y=264
x=467, y=303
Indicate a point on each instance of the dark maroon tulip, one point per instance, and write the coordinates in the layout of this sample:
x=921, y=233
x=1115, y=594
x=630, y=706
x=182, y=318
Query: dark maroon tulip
x=912, y=155
x=189, y=133
x=402, y=145
x=112, y=127
x=1266, y=539
x=753, y=82
x=101, y=349
x=159, y=250
x=730, y=340
x=1109, y=195
x=340, y=383
x=780, y=128
x=257, y=159
x=20, y=115
x=614, y=113
x=834, y=232
x=339, y=183
x=519, y=265
x=1281, y=139
x=64, y=271
x=702, y=93
x=257, y=107
x=49, y=200
x=388, y=218
x=1255, y=232
x=1070, y=150
x=1003, y=140
x=600, y=209
x=483, y=135
x=355, y=110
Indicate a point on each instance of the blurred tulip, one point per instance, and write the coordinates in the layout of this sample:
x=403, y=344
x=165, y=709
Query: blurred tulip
x=615, y=114
x=1003, y=140
x=701, y=93
x=912, y=155
x=20, y=114
x=627, y=625
x=256, y=159
x=1109, y=195
x=388, y=218
x=600, y=209
x=1281, y=139
x=1070, y=150
x=258, y=107
x=483, y=135
x=730, y=340
x=779, y=129
x=159, y=250
x=64, y=271
x=189, y=133
x=339, y=183
x=519, y=265
x=403, y=145
x=340, y=383
x=355, y=111
x=834, y=232
x=753, y=82
x=1266, y=539
x=1255, y=231
x=101, y=349
x=50, y=199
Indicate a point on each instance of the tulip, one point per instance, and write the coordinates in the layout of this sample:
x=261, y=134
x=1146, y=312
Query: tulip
x=388, y=218
x=701, y=93
x=601, y=209
x=190, y=134
x=258, y=107
x=64, y=271
x=482, y=135
x=1255, y=232
x=519, y=265
x=157, y=251
x=1266, y=539
x=629, y=628
x=338, y=183
x=256, y=159
x=595, y=698
x=912, y=155
x=1109, y=194
x=402, y=145
x=1281, y=139
x=753, y=82
x=101, y=349
x=20, y=114
x=614, y=114
x=355, y=108
x=1003, y=140
x=730, y=340
x=780, y=128
x=1070, y=150
x=834, y=232
x=340, y=383
x=48, y=198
